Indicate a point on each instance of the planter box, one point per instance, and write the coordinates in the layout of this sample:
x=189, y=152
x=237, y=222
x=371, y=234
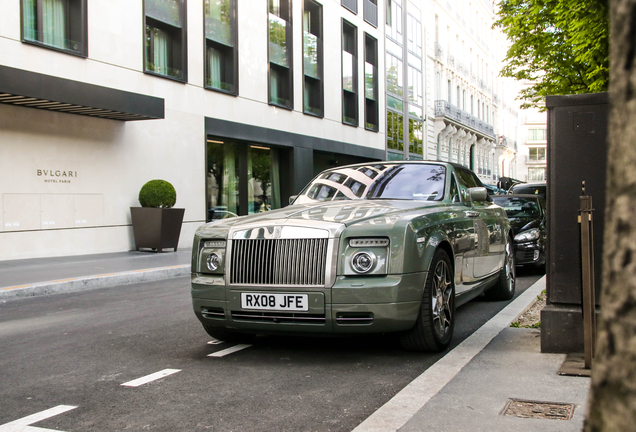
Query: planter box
x=156, y=228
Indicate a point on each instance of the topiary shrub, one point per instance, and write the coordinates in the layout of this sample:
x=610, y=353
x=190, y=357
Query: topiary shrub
x=157, y=193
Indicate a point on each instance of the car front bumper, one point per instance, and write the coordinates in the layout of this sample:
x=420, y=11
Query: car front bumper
x=529, y=253
x=378, y=304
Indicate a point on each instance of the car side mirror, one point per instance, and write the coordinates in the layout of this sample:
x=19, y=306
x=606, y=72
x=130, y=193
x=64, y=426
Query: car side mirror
x=478, y=194
x=292, y=199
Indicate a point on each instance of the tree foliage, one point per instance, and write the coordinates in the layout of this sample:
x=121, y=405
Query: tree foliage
x=560, y=46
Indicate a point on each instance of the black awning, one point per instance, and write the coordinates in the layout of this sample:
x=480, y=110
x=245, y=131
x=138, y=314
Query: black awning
x=29, y=89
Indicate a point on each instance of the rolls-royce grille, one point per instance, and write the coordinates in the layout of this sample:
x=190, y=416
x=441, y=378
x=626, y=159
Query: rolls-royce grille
x=278, y=262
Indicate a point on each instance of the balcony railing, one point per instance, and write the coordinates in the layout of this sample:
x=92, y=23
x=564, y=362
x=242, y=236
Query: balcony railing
x=445, y=109
x=504, y=141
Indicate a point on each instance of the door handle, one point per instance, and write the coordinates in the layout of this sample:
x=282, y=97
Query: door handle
x=472, y=214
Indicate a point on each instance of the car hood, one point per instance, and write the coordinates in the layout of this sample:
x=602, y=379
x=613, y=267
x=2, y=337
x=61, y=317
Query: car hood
x=523, y=224
x=332, y=213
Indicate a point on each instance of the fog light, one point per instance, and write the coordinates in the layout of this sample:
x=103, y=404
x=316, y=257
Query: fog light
x=536, y=255
x=213, y=262
x=363, y=262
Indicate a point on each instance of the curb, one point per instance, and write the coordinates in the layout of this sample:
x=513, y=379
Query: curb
x=92, y=282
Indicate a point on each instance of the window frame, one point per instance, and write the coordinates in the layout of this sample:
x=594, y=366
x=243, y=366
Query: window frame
x=289, y=38
x=235, y=48
x=82, y=30
x=321, y=74
x=372, y=110
x=183, y=12
x=355, y=71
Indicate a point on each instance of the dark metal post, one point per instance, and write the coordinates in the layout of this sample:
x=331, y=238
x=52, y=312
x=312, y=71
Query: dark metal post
x=587, y=276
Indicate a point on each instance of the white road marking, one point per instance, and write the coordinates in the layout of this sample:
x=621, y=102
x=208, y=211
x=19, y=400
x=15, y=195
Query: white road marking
x=23, y=424
x=403, y=406
x=215, y=342
x=149, y=378
x=230, y=350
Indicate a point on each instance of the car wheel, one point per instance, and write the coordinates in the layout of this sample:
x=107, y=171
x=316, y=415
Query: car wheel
x=228, y=335
x=505, y=287
x=434, y=326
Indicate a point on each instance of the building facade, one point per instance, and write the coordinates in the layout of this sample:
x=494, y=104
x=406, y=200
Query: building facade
x=238, y=104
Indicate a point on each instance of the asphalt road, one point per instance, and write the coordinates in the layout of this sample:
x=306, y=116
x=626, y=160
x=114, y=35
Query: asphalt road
x=78, y=349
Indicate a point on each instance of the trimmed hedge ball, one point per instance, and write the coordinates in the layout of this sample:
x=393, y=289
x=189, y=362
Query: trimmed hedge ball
x=157, y=193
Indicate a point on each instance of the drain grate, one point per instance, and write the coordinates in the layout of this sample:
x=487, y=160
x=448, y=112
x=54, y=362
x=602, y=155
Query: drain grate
x=537, y=409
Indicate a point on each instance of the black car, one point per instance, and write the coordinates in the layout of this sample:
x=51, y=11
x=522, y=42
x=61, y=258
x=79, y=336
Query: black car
x=536, y=188
x=527, y=216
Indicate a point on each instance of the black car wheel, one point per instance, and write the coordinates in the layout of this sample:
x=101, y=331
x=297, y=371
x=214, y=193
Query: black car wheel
x=434, y=326
x=505, y=287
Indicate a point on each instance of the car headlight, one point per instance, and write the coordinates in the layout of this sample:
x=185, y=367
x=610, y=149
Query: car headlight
x=363, y=262
x=211, y=256
x=213, y=261
x=365, y=256
x=527, y=236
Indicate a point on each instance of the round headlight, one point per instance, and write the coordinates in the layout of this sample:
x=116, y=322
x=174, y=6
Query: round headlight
x=363, y=262
x=214, y=261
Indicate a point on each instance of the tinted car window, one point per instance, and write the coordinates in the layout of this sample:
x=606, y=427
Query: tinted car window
x=524, y=189
x=518, y=207
x=466, y=179
x=393, y=181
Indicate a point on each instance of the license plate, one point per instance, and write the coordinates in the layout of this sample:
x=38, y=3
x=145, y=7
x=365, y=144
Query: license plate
x=279, y=302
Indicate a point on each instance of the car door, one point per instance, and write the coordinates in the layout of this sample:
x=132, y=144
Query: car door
x=463, y=235
x=491, y=250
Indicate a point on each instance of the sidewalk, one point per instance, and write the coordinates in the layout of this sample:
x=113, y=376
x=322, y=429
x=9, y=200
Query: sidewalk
x=39, y=276
x=467, y=390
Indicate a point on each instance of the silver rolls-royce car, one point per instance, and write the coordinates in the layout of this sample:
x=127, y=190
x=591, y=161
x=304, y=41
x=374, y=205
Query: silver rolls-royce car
x=385, y=247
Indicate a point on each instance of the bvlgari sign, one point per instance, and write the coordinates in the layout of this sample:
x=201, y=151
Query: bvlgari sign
x=56, y=176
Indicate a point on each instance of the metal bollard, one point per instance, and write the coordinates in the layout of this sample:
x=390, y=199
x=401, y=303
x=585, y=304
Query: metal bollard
x=587, y=277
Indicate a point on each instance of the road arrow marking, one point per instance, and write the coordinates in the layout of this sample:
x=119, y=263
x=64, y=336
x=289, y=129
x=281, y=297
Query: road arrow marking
x=23, y=424
x=150, y=378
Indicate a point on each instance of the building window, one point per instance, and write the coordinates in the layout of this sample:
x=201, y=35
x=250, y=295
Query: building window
x=416, y=94
x=414, y=34
x=312, y=58
x=228, y=192
x=537, y=154
x=371, y=83
x=537, y=134
x=165, y=53
x=221, y=56
x=536, y=174
x=395, y=125
x=349, y=74
x=416, y=134
x=280, y=54
x=394, y=19
x=371, y=12
x=57, y=24
x=394, y=80
x=352, y=5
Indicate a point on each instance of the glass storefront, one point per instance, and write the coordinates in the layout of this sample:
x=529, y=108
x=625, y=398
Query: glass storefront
x=228, y=193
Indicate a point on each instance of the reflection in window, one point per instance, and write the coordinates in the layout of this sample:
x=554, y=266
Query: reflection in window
x=59, y=24
x=222, y=180
x=416, y=133
x=221, y=45
x=537, y=154
x=165, y=38
x=418, y=182
x=280, y=65
x=371, y=83
x=312, y=58
x=394, y=82
x=349, y=74
x=394, y=128
x=263, y=180
x=321, y=192
x=334, y=177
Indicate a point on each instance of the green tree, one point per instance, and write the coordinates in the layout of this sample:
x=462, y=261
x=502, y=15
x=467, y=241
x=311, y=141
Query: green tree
x=560, y=46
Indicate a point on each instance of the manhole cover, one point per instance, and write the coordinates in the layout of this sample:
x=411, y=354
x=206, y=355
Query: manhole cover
x=536, y=409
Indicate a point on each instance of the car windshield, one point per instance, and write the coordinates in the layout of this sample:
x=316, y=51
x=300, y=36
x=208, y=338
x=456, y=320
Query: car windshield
x=422, y=182
x=518, y=207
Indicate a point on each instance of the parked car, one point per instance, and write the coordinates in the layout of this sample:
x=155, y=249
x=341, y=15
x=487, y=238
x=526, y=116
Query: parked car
x=494, y=190
x=385, y=247
x=538, y=188
x=527, y=216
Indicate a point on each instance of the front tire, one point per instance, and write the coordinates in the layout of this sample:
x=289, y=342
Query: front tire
x=505, y=287
x=434, y=326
